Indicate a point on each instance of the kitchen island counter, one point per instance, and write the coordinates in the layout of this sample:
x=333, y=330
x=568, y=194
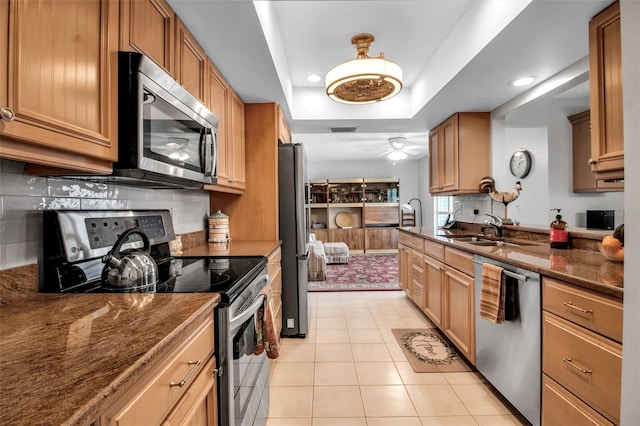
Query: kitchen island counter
x=65, y=358
x=584, y=268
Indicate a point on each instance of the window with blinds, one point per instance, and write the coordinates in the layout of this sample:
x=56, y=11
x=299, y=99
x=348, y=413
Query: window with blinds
x=442, y=208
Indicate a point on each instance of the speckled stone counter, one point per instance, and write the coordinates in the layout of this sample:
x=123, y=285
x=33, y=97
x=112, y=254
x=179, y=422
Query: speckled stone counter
x=584, y=268
x=64, y=359
x=234, y=248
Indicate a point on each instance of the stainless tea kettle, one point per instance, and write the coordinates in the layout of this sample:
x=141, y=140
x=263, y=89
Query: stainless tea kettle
x=131, y=268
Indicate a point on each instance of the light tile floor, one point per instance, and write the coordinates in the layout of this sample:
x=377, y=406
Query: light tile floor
x=350, y=371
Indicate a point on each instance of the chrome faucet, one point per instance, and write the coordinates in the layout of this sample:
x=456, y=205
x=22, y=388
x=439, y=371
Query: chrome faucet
x=496, y=222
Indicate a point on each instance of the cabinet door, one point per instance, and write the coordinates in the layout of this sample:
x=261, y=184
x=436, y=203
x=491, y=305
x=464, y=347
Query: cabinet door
x=584, y=180
x=433, y=289
x=58, y=78
x=147, y=26
x=198, y=406
x=381, y=239
x=459, y=320
x=605, y=70
x=238, y=141
x=353, y=238
x=434, y=160
x=449, y=154
x=191, y=63
x=405, y=263
x=219, y=103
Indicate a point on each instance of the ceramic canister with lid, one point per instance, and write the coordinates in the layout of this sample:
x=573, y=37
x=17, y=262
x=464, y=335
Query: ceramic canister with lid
x=219, y=228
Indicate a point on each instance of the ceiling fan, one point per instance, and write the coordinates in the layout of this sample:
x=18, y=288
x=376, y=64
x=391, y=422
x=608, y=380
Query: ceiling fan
x=400, y=147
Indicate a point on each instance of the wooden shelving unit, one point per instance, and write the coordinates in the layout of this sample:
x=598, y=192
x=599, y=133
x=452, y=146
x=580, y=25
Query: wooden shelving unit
x=369, y=207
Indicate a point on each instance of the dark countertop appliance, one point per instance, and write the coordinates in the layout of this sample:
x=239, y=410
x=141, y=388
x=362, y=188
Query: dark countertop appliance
x=77, y=243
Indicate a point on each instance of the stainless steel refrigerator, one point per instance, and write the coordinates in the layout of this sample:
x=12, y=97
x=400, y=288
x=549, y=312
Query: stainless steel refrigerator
x=294, y=233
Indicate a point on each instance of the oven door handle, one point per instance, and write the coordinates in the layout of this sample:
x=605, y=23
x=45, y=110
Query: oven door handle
x=251, y=310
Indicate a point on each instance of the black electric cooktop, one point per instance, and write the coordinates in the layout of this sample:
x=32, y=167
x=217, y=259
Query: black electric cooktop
x=227, y=276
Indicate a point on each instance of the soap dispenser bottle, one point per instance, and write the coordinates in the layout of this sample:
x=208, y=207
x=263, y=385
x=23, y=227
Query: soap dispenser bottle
x=559, y=233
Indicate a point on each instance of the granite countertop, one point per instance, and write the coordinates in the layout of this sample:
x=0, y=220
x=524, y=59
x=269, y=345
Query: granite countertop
x=234, y=248
x=583, y=268
x=65, y=358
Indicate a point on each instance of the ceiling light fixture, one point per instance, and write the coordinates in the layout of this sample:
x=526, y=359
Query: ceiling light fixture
x=314, y=78
x=397, y=155
x=522, y=81
x=365, y=79
x=397, y=142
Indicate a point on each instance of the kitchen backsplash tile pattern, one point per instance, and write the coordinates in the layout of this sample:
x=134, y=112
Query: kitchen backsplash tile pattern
x=22, y=198
x=464, y=205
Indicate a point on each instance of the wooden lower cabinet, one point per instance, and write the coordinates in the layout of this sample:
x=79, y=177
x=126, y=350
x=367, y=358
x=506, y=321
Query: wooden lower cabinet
x=561, y=407
x=459, y=320
x=381, y=238
x=405, y=266
x=417, y=279
x=353, y=238
x=180, y=388
x=585, y=363
x=274, y=267
x=433, y=284
x=199, y=405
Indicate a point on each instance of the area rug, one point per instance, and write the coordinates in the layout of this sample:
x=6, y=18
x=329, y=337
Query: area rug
x=363, y=272
x=428, y=351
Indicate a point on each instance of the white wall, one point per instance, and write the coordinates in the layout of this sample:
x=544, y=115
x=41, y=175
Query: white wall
x=549, y=185
x=22, y=198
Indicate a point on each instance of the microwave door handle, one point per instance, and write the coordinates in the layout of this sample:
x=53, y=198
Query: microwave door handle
x=214, y=158
x=202, y=150
x=210, y=160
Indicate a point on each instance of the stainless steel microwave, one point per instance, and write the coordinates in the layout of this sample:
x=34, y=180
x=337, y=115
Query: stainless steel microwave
x=166, y=137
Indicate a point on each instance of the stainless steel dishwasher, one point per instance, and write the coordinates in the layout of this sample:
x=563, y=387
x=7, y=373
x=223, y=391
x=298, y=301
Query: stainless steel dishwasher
x=509, y=354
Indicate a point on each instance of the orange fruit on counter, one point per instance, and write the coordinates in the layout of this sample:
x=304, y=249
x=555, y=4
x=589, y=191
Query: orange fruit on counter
x=611, y=243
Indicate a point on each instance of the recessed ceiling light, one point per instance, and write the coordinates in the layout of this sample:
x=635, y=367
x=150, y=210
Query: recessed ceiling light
x=314, y=78
x=522, y=81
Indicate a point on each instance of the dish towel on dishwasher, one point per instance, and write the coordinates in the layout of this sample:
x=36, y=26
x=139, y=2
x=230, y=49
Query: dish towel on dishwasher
x=492, y=293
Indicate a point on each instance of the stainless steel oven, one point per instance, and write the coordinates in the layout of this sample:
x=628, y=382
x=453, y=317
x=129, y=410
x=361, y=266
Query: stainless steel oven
x=244, y=386
x=74, y=243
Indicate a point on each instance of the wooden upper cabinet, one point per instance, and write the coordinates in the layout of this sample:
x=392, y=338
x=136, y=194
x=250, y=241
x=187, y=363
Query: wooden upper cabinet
x=284, y=136
x=584, y=180
x=605, y=79
x=219, y=102
x=459, y=154
x=191, y=63
x=238, y=142
x=147, y=26
x=58, y=83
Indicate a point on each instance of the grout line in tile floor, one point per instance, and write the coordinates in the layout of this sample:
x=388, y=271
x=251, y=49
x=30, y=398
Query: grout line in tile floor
x=346, y=374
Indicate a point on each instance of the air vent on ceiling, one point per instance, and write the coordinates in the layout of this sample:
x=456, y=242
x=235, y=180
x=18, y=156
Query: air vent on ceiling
x=343, y=129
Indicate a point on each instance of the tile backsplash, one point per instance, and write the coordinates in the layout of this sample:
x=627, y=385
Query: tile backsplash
x=464, y=205
x=23, y=197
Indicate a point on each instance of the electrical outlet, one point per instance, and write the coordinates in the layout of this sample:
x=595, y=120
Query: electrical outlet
x=476, y=211
x=291, y=323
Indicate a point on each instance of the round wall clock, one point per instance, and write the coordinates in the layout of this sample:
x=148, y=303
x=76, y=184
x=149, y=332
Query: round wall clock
x=520, y=163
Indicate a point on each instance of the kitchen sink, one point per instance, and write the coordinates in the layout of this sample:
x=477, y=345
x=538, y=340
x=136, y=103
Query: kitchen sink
x=491, y=243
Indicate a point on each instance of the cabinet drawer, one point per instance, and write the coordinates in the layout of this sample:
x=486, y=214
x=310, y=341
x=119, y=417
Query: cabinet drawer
x=418, y=258
x=418, y=274
x=417, y=243
x=460, y=260
x=434, y=249
x=587, y=364
x=561, y=407
x=590, y=310
x=274, y=262
x=198, y=403
x=404, y=238
x=418, y=294
x=155, y=389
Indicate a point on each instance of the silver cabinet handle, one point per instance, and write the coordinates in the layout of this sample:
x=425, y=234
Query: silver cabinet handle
x=570, y=362
x=181, y=383
x=572, y=306
x=592, y=161
x=7, y=114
